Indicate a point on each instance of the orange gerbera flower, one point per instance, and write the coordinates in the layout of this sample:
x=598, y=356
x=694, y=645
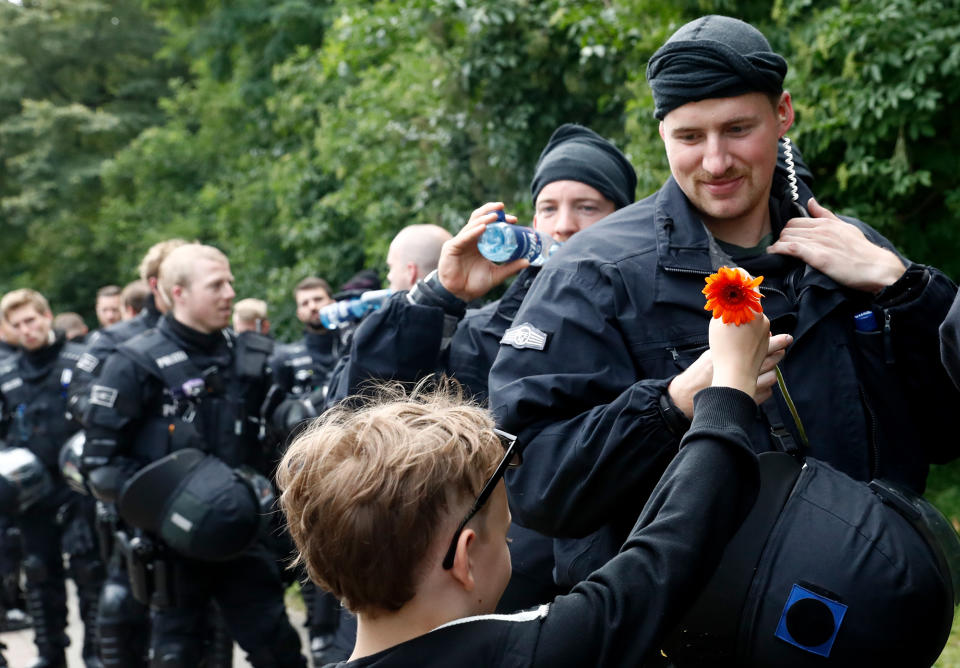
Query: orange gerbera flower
x=733, y=295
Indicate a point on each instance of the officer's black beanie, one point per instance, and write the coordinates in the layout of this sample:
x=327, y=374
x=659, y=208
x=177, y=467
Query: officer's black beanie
x=710, y=57
x=577, y=153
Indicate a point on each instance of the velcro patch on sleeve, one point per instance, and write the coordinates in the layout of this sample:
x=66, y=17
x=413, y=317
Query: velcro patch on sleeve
x=101, y=395
x=523, y=336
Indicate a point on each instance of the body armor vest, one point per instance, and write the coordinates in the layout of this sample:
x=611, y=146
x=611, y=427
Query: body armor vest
x=34, y=403
x=213, y=409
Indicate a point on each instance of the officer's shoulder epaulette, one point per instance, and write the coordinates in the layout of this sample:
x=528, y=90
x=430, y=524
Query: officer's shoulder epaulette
x=8, y=364
x=254, y=341
x=152, y=351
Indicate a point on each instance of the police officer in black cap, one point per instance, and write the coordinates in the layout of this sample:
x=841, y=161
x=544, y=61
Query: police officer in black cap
x=579, y=179
x=603, y=404
x=51, y=518
x=190, y=384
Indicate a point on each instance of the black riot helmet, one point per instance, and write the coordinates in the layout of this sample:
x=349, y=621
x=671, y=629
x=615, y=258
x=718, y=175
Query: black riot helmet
x=24, y=480
x=198, y=506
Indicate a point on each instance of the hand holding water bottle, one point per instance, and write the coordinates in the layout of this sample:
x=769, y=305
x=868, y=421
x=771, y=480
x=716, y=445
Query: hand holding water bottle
x=462, y=269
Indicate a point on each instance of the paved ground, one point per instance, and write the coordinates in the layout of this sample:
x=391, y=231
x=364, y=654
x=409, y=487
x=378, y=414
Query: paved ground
x=21, y=652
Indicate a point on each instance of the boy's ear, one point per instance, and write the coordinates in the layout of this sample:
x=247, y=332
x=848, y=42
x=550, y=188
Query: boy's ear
x=462, y=570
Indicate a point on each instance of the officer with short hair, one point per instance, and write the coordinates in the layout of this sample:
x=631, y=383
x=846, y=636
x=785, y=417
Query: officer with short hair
x=304, y=366
x=51, y=518
x=302, y=369
x=122, y=620
x=190, y=386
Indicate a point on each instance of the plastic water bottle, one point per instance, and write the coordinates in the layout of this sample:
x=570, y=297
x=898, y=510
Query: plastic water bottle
x=502, y=242
x=348, y=311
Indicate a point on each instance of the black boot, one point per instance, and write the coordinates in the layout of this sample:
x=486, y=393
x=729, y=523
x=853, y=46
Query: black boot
x=49, y=637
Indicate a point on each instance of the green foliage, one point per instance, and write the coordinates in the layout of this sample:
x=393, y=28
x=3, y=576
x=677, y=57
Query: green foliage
x=300, y=136
x=875, y=85
x=80, y=79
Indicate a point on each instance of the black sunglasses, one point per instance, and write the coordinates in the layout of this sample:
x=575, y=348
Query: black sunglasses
x=511, y=459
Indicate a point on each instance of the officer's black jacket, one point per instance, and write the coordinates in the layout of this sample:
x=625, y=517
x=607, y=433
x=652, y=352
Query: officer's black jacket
x=404, y=341
x=306, y=365
x=6, y=350
x=33, y=399
x=622, y=308
x=100, y=345
x=133, y=418
x=619, y=615
x=950, y=341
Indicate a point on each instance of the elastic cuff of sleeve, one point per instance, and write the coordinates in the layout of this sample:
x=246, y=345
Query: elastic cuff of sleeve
x=906, y=288
x=430, y=292
x=672, y=416
x=719, y=411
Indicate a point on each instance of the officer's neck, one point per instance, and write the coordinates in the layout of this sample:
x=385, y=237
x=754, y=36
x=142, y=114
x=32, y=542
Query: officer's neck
x=317, y=338
x=39, y=357
x=194, y=337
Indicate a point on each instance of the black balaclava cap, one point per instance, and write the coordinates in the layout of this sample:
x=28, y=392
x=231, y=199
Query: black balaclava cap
x=711, y=57
x=577, y=153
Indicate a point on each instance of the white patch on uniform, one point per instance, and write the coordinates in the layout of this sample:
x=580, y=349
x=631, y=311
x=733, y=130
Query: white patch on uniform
x=66, y=376
x=299, y=361
x=182, y=522
x=101, y=395
x=87, y=362
x=11, y=384
x=523, y=336
x=171, y=359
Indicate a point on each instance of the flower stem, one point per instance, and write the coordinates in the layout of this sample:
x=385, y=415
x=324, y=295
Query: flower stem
x=782, y=384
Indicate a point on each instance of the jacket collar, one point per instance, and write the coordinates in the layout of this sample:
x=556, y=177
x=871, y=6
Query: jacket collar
x=687, y=253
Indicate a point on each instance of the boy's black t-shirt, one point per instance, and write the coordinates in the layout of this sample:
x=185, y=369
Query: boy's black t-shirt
x=619, y=615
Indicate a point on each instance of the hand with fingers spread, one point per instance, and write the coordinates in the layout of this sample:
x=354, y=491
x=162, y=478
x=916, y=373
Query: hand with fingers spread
x=839, y=250
x=462, y=269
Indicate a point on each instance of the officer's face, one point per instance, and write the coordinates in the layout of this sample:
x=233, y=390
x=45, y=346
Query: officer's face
x=491, y=552
x=722, y=153
x=564, y=208
x=32, y=327
x=309, y=303
x=109, y=309
x=206, y=304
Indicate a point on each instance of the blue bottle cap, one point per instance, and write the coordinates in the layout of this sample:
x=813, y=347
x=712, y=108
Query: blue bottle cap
x=501, y=216
x=865, y=321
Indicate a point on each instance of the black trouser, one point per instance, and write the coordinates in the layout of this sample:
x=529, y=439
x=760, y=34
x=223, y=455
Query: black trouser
x=249, y=594
x=323, y=609
x=11, y=557
x=123, y=621
x=63, y=522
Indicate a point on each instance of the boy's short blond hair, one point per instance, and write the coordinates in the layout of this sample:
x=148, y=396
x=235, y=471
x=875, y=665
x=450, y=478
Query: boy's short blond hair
x=23, y=297
x=366, y=491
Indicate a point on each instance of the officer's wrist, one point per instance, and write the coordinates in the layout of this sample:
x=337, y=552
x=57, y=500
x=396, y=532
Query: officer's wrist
x=430, y=292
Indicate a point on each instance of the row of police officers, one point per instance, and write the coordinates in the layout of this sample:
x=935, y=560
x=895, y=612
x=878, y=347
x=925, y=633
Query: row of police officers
x=147, y=457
